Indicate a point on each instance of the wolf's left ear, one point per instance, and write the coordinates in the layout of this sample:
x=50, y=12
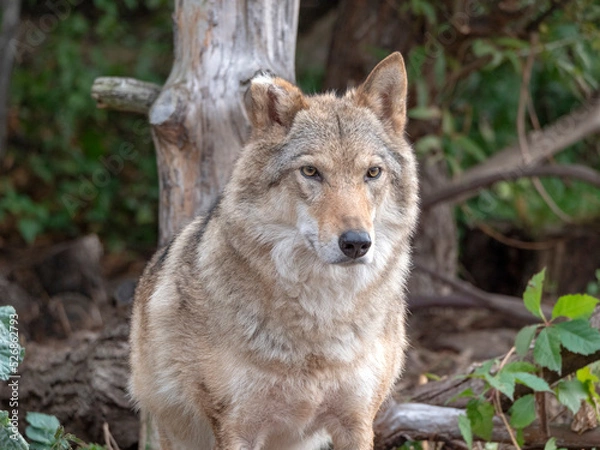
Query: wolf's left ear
x=384, y=92
x=272, y=101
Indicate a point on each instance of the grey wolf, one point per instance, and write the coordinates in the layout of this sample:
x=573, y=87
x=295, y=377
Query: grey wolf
x=277, y=321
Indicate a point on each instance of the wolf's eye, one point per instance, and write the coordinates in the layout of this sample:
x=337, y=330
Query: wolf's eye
x=373, y=173
x=309, y=172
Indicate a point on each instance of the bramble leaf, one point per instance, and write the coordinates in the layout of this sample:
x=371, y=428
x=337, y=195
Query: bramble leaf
x=575, y=306
x=532, y=296
x=570, y=393
x=481, y=414
x=522, y=412
x=579, y=336
x=546, y=350
x=464, y=424
x=524, y=338
x=551, y=444
x=532, y=381
x=504, y=381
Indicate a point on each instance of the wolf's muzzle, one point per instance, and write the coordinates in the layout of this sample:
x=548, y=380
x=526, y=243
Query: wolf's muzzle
x=355, y=243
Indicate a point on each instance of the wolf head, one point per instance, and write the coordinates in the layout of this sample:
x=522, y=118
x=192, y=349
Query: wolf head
x=327, y=177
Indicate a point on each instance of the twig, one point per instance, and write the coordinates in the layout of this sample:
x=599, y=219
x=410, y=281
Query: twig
x=467, y=187
x=515, y=242
x=111, y=443
x=498, y=408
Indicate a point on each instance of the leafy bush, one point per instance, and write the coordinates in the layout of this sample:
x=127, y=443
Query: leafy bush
x=568, y=328
x=60, y=178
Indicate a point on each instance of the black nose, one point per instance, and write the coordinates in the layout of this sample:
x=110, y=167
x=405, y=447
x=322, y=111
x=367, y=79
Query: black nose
x=355, y=244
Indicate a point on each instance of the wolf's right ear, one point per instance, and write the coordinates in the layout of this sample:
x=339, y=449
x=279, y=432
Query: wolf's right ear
x=272, y=101
x=384, y=92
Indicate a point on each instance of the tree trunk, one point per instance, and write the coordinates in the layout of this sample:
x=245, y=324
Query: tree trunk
x=198, y=121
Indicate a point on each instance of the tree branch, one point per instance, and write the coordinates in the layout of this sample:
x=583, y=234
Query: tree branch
x=542, y=144
x=510, y=306
x=466, y=187
x=414, y=421
x=124, y=94
x=11, y=9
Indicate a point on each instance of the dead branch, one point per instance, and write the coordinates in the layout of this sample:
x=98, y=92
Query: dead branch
x=414, y=421
x=124, y=94
x=505, y=304
x=465, y=187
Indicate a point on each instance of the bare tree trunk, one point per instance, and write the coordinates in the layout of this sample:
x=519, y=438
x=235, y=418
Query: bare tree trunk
x=11, y=10
x=198, y=121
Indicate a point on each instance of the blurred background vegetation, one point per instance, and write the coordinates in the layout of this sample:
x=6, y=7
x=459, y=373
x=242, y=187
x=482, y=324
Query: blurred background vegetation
x=59, y=142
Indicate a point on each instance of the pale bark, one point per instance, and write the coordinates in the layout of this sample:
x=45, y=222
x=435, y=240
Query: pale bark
x=416, y=421
x=198, y=121
x=124, y=94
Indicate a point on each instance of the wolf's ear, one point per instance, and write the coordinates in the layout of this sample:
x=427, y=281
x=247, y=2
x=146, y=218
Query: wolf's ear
x=272, y=101
x=384, y=92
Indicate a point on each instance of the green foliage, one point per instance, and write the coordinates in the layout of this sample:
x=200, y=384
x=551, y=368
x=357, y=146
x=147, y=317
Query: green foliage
x=68, y=174
x=471, y=100
x=10, y=438
x=532, y=297
x=550, y=338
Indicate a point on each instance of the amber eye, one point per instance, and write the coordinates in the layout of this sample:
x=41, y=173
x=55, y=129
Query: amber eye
x=309, y=171
x=373, y=172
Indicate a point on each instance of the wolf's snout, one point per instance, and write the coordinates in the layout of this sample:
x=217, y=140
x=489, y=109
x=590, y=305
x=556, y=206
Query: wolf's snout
x=355, y=244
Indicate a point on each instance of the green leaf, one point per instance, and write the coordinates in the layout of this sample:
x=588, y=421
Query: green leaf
x=42, y=428
x=481, y=415
x=504, y=381
x=29, y=229
x=464, y=424
x=570, y=393
x=532, y=296
x=575, y=306
x=10, y=439
x=585, y=375
x=532, y=381
x=551, y=444
x=524, y=338
x=522, y=412
x=578, y=336
x=11, y=352
x=546, y=350
x=520, y=366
